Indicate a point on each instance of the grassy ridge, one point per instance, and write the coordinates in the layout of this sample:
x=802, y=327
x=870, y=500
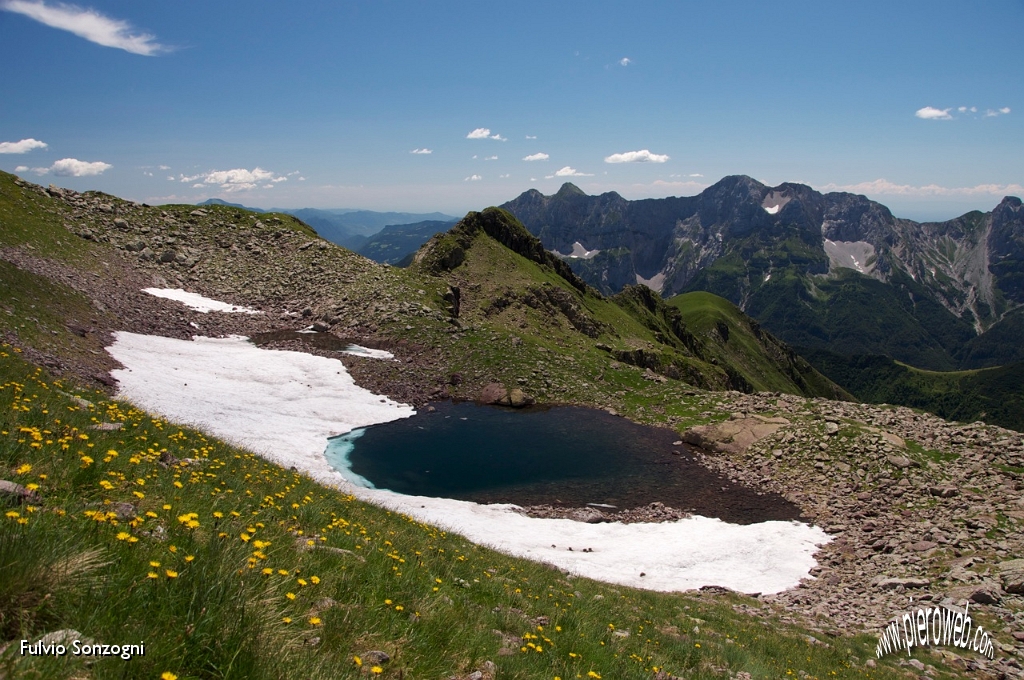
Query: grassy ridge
x=229, y=567
x=738, y=341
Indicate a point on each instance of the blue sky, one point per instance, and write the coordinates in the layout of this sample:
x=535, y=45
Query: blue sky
x=322, y=104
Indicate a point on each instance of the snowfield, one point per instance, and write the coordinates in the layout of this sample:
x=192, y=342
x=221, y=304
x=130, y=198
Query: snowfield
x=284, y=405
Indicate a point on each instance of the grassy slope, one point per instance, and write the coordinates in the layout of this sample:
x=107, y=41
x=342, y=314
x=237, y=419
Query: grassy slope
x=995, y=395
x=214, y=573
x=737, y=340
x=846, y=312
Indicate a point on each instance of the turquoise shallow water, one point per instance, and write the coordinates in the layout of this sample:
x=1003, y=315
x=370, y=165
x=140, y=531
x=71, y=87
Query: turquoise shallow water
x=560, y=455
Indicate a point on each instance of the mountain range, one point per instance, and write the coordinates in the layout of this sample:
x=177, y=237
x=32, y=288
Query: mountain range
x=833, y=271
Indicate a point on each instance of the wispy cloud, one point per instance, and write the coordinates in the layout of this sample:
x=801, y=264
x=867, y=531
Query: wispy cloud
x=24, y=146
x=537, y=157
x=642, y=156
x=422, y=151
x=485, y=133
x=683, y=187
x=569, y=172
x=505, y=176
x=932, y=113
x=473, y=178
x=72, y=167
x=88, y=24
x=998, y=112
x=885, y=187
x=625, y=61
x=21, y=168
x=237, y=179
x=531, y=136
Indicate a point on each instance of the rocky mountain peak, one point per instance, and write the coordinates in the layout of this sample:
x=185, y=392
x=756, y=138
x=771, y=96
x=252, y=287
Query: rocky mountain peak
x=568, y=189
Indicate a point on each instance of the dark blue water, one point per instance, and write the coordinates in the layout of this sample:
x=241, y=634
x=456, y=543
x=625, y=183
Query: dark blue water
x=562, y=455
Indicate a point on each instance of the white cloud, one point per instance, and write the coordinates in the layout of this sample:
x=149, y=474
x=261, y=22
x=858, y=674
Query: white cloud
x=473, y=178
x=625, y=61
x=164, y=167
x=485, y=133
x=422, y=151
x=302, y=179
x=72, y=167
x=147, y=173
x=569, y=172
x=170, y=178
x=491, y=158
x=642, y=156
x=531, y=136
x=238, y=179
x=505, y=176
x=931, y=113
x=885, y=187
x=537, y=157
x=21, y=168
x=88, y=24
x=23, y=146
x=1004, y=110
x=695, y=174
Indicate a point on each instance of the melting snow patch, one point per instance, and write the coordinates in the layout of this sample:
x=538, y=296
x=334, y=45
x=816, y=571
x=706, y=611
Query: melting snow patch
x=360, y=351
x=580, y=251
x=772, y=210
x=197, y=301
x=284, y=406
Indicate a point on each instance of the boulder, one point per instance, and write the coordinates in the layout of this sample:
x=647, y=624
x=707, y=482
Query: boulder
x=893, y=583
x=517, y=398
x=943, y=491
x=734, y=435
x=1011, y=573
x=496, y=393
x=492, y=393
x=12, y=493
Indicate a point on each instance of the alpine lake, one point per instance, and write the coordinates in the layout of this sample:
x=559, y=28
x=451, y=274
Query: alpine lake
x=559, y=455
